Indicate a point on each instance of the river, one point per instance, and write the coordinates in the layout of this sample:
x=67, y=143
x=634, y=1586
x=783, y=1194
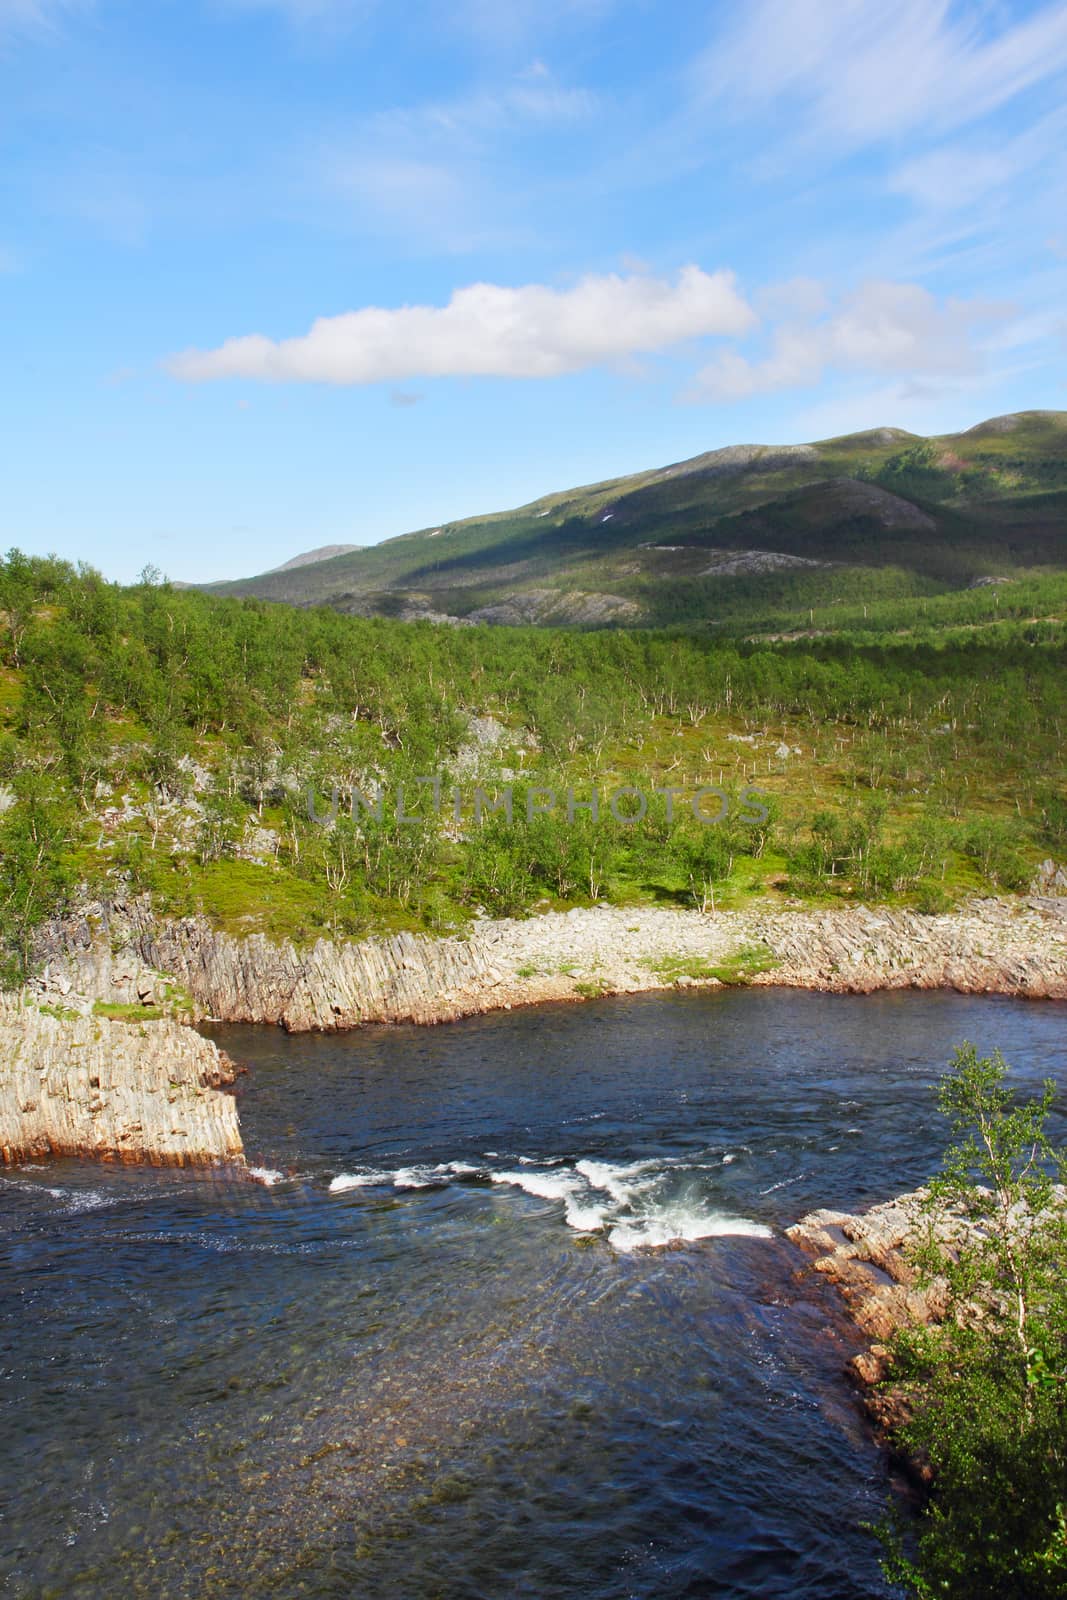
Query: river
x=441, y=1350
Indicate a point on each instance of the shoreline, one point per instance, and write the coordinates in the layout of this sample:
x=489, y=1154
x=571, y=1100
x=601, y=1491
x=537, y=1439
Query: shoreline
x=863, y=1256
x=150, y=1093
x=122, y=954
x=106, y=1060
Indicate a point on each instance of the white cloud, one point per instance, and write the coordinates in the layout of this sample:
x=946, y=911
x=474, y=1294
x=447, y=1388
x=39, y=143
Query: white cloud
x=491, y=331
x=880, y=328
x=866, y=70
x=798, y=297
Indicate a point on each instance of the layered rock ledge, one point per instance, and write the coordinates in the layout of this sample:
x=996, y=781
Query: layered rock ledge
x=865, y=1258
x=81, y=1085
x=124, y=952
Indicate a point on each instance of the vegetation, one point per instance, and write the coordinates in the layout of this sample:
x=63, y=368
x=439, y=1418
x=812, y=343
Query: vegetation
x=740, y=969
x=165, y=741
x=116, y=1011
x=987, y=1388
x=873, y=531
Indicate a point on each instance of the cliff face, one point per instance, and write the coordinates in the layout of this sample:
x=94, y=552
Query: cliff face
x=88, y=1086
x=1015, y=947
x=123, y=952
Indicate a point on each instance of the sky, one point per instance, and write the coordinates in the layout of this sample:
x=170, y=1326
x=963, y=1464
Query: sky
x=283, y=273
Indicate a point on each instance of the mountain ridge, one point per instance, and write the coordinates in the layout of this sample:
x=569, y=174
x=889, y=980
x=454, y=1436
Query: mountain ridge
x=940, y=512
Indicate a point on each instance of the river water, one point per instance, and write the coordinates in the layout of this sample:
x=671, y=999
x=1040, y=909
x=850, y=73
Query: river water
x=441, y=1349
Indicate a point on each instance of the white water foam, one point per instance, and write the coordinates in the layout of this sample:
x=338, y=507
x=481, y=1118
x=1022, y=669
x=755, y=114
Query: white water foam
x=542, y=1185
x=626, y=1200
x=784, y=1184
x=635, y=1204
x=420, y=1177
x=622, y=1181
x=585, y=1219
x=357, y=1180
x=88, y=1199
x=268, y=1176
x=673, y=1224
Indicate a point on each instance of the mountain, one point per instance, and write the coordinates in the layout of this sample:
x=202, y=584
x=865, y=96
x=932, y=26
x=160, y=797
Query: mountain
x=325, y=552
x=734, y=538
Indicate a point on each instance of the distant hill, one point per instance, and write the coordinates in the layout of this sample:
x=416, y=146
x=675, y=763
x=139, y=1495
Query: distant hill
x=736, y=538
x=325, y=552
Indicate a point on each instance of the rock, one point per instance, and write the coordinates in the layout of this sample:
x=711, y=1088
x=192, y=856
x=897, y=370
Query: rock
x=561, y=607
x=744, y=563
x=990, y=946
x=865, y=1258
x=1050, y=879
x=75, y=1085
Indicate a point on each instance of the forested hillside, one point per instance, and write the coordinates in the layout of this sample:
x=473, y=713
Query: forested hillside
x=882, y=529
x=165, y=740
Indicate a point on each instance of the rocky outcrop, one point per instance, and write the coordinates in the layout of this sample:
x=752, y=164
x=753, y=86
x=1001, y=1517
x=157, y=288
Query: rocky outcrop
x=76, y=1085
x=1049, y=879
x=866, y=1258
x=1013, y=947
x=113, y=952
x=124, y=952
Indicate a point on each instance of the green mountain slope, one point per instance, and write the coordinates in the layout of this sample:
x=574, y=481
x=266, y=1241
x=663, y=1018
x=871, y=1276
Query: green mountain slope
x=738, y=538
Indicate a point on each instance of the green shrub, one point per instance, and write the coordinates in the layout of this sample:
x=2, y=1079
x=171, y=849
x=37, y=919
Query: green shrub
x=988, y=1391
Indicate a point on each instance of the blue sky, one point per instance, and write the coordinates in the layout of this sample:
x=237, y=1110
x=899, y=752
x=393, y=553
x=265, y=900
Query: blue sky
x=281, y=273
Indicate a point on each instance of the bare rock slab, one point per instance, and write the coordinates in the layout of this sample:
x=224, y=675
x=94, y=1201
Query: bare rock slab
x=75, y=1085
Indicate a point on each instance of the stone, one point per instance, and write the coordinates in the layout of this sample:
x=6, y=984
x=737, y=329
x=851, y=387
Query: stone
x=76, y=1085
x=985, y=947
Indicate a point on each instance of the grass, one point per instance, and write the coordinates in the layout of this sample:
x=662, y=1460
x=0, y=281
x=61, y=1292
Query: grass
x=117, y=1011
x=239, y=897
x=1004, y=514
x=740, y=968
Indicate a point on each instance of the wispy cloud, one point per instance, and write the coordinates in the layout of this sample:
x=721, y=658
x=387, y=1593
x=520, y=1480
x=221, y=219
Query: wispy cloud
x=330, y=14
x=512, y=24
x=490, y=331
x=100, y=191
x=36, y=16
x=529, y=100
x=863, y=70
x=879, y=328
x=484, y=22
x=434, y=172
x=957, y=175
